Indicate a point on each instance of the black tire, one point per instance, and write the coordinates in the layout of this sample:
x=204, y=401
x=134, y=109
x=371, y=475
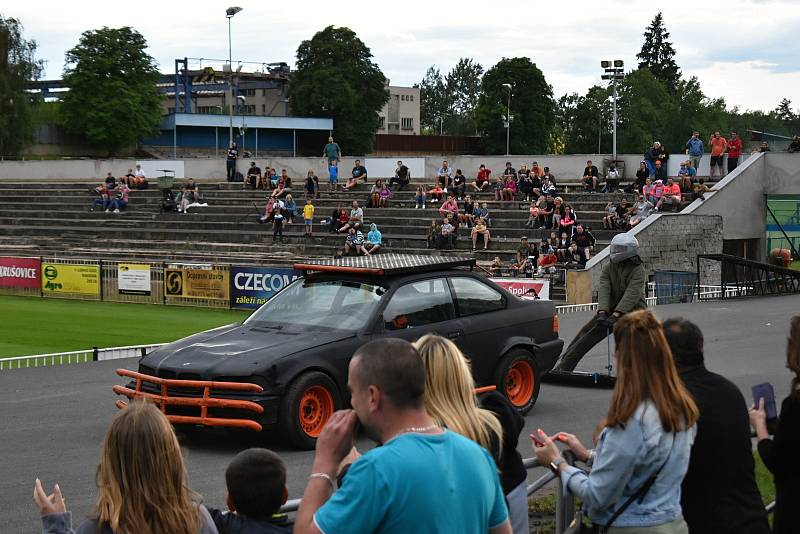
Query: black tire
x=305, y=408
x=517, y=378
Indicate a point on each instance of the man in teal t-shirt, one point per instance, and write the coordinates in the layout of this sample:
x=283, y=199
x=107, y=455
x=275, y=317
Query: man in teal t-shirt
x=332, y=152
x=421, y=479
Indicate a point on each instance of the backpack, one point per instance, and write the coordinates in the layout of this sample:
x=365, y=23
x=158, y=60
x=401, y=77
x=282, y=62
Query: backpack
x=238, y=177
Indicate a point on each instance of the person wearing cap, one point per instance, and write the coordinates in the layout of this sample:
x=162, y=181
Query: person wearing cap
x=621, y=291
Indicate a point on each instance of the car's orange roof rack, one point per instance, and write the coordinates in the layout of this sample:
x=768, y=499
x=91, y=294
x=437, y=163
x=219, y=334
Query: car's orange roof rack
x=163, y=399
x=384, y=264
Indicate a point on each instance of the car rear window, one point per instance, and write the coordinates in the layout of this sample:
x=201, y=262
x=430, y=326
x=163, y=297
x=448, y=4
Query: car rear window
x=473, y=296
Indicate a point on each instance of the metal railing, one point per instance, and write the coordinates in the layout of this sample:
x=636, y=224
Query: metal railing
x=741, y=277
x=76, y=356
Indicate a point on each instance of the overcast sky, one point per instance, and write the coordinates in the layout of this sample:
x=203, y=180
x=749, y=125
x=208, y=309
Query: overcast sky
x=747, y=51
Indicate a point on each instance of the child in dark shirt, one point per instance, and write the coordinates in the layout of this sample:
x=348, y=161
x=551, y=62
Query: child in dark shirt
x=256, y=481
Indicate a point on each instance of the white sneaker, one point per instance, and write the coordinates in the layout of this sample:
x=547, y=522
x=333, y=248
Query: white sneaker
x=116, y=211
x=108, y=211
x=423, y=206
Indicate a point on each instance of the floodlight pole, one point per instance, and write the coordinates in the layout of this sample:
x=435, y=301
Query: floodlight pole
x=508, y=120
x=229, y=13
x=613, y=71
x=614, y=85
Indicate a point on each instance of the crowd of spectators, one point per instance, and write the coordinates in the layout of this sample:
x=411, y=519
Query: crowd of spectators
x=672, y=455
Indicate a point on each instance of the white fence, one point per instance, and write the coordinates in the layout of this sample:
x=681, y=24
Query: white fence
x=76, y=356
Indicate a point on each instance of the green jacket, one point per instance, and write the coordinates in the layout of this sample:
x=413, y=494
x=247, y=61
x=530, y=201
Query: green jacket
x=622, y=287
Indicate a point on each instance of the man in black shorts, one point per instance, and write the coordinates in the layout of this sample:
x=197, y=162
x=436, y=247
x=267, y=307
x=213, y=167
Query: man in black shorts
x=230, y=162
x=401, y=176
x=590, y=175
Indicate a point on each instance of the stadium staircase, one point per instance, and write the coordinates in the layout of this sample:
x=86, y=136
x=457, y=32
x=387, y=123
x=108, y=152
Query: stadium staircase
x=49, y=218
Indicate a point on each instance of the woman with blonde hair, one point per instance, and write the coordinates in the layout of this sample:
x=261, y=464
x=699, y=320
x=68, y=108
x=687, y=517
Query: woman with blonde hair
x=494, y=425
x=643, y=449
x=141, y=482
x=780, y=454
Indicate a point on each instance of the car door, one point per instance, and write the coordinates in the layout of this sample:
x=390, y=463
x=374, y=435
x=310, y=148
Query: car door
x=421, y=307
x=481, y=311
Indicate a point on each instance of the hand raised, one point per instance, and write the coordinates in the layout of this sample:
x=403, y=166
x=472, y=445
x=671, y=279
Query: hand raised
x=336, y=440
x=48, y=504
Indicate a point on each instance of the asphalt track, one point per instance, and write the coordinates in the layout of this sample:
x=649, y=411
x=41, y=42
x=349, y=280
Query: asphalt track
x=52, y=420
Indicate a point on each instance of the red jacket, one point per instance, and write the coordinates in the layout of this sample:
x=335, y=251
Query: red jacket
x=734, y=148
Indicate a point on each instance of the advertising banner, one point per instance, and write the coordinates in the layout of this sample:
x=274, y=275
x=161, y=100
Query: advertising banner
x=253, y=286
x=133, y=279
x=20, y=272
x=196, y=283
x=73, y=279
x=522, y=287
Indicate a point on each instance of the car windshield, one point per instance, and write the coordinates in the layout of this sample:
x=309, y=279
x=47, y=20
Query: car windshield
x=320, y=305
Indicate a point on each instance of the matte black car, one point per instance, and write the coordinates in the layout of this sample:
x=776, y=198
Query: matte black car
x=296, y=347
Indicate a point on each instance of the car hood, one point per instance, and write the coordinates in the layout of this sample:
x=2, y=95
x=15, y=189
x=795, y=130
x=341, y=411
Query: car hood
x=234, y=350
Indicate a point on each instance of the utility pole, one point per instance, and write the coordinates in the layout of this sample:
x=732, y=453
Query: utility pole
x=508, y=119
x=229, y=13
x=614, y=73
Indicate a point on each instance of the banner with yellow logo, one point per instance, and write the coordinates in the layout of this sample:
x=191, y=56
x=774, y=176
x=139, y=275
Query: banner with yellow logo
x=72, y=279
x=196, y=283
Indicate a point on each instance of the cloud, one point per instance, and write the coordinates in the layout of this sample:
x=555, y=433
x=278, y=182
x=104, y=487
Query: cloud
x=736, y=83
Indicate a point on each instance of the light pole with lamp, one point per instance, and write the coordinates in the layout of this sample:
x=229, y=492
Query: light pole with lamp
x=614, y=73
x=240, y=101
x=229, y=13
x=508, y=119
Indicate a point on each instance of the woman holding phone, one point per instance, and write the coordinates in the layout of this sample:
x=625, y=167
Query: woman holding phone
x=780, y=453
x=643, y=449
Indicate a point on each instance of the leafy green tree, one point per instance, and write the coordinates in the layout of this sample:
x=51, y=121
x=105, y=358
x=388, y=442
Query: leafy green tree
x=644, y=107
x=337, y=78
x=532, y=108
x=113, y=100
x=18, y=66
x=463, y=89
x=784, y=110
x=586, y=121
x=658, y=55
x=434, y=101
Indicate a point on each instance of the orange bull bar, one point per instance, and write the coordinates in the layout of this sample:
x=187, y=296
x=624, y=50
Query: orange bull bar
x=204, y=403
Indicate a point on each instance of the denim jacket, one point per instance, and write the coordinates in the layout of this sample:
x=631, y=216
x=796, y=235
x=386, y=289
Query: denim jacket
x=625, y=459
x=695, y=146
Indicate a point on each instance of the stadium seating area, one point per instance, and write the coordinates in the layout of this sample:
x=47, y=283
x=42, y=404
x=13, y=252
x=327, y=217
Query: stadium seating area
x=53, y=218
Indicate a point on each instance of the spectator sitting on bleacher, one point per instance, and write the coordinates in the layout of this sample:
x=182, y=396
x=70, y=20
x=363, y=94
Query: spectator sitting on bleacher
x=482, y=178
x=641, y=210
x=509, y=190
x=699, y=189
x=496, y=267
x=547, y=261
x=409, y=483
x=402, y=176
x=419, y=197
x=447, y=235
x=374, y=240
x=190, y=194
x=359, y=172
x=449, y=208
x=661, y=171
x=559, y=210
x=612, y=180
x=546, y=212
x=609, y=221
x=525, y=183
x=468, y=215
x=719, y=493
x=110, y=181
x=567, y=222
x=573, y=259
x=356, y=218
x=548, y=186
x=649, y=191
x=290, y=209
x=354, y=242
x=459, y=184
x=590, y=177
x=525, y=249
x=483, y=212
x=139, y=177
x=550, y=176
x=375, y=194
x=642, y=174
x=444, y=176
x=129, y=178
x=562, y=246
x=274, y=205
x=643, y=450
x=284, y=185
x=480, y=229
x=436, y=193
x=253, y=178
x=384, y=195
x=105, y=194
x=141, y=482
x=256, y=483
x=794, y=146
x=120, y=199
x=671, y=197
x=491, y=420
x=585, y=241
x=683, y=179
x=533, y=213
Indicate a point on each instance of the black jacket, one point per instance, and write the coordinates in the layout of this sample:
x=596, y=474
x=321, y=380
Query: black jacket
x=719, y=493
x=230, y=523
x=780, y=457
x=512, y=471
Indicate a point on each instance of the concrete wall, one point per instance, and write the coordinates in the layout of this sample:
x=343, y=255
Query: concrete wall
x=672, y=242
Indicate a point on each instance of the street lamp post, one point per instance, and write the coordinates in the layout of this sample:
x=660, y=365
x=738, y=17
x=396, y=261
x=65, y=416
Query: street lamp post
x=614, y=73
x=508, y=119
x=229, y=13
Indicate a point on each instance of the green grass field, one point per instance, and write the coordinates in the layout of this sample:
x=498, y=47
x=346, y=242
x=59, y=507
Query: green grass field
x=38, y=325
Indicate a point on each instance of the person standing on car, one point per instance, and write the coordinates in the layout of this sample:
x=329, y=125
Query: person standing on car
x=621, y=291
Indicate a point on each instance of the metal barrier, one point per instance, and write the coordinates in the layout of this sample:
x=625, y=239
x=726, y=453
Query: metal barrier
x=565, y=501
x=76, y=356
x=751, y=278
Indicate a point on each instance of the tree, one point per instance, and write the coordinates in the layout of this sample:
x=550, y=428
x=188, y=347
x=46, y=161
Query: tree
x=337, y=78
x=18, y=66
x=658, y=55
x=586, y=121
x=463, y=89
x=434, y=101
x=532, y=108
x=113, y=100
x=644, y=108
x=784, y=111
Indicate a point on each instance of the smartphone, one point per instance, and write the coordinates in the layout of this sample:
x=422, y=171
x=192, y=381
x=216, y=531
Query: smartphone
x=536, y=441
x=765, y=391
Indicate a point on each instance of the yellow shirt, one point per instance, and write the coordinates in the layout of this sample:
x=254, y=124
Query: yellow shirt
x=308, y=211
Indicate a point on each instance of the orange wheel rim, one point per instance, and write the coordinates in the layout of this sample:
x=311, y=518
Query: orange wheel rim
x=520, y=383
x=316, y=407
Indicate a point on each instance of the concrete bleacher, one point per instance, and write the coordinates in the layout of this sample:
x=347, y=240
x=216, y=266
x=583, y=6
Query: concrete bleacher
x=53, y=218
